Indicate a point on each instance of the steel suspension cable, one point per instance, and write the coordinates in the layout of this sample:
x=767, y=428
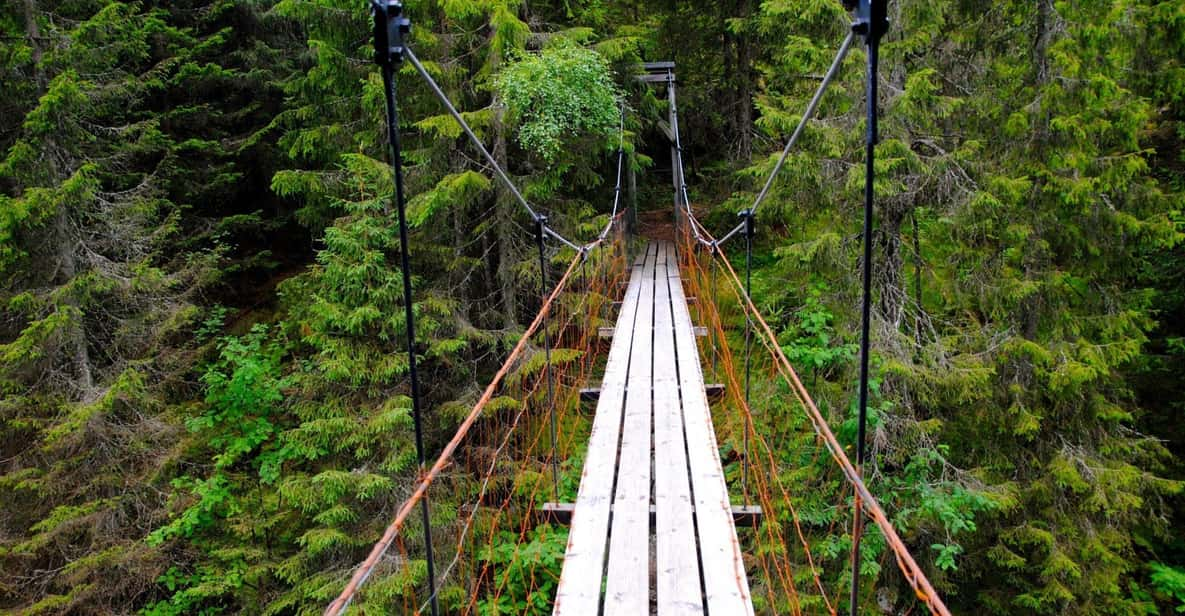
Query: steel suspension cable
x=390, y=29
x=540, y=225
x=806, y=117
x=748, y=222
x=617, y=187
x=909, y=568
x=809, y=114
x=734, y=385
x=452, y=109
x=501, y=174
x=677, y=164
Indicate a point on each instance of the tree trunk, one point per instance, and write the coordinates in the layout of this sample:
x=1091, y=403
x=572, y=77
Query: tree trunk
x=33, y=32
x=488, y=274
x=457, y=278
x=917, y=278
x=891, y=288
x=730, y=95
x=891, y=283
x=1042, y=39
x=64, y=241
x=744, y=90
x=76, y=334
x=506, y=209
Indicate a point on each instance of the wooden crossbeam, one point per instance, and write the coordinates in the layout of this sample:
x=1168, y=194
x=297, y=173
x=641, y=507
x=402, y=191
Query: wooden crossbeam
x=745, y=516
x=606, y=333
x=691, y=301
x=715, y=392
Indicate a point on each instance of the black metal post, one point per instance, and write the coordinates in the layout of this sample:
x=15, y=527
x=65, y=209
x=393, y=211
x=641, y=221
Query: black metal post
x=713, y=252
x=871, y=23
x=540, y=234
x=583, y=272
x=747, y=217
x=632, y=183
x=390, y=28
x=677, y=180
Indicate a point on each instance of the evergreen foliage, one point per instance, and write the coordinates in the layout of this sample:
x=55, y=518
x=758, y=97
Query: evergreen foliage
x=203, y=385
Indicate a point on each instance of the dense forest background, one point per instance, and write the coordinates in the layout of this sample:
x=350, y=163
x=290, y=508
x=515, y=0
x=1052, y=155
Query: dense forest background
x=202, y=391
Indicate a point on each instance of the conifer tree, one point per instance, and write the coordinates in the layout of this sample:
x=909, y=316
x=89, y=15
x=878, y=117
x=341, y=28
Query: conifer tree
x=98, y=175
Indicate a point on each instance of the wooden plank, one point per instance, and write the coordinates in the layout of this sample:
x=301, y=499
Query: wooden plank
x=725, y=583
x=608, y=332
x=627, y=585
x=579, y=590
x=561, y=513
x=715, y=391
x=691, y=299
x=676, y=558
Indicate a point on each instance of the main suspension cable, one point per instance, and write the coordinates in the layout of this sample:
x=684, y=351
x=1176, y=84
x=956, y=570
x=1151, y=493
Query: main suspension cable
x=505, y=179
x=617, y=188
x=806, y=117
x=452, y=109
x=681, y=191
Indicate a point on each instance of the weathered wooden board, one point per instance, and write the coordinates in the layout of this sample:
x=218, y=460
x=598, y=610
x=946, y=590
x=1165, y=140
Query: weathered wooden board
x=579, y=590
x=725, y=583
x=676, y=558
x=627, y=584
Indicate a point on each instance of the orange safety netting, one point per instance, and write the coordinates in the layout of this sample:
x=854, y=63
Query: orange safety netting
x=802, y=549
x=496, y=550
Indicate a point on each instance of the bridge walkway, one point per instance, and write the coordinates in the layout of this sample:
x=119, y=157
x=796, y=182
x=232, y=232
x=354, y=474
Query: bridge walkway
x=652, y=529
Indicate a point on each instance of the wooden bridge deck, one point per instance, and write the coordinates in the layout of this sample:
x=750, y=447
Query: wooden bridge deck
x=653, y=448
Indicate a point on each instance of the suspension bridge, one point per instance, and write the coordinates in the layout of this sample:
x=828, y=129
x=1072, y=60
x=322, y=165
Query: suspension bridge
x=664, y=501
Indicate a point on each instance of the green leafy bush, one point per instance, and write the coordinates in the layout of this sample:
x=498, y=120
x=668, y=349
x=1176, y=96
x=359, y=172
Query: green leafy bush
x=559, y=94
x=525, y=574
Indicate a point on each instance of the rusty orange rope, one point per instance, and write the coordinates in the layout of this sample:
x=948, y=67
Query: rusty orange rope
x=376, y=553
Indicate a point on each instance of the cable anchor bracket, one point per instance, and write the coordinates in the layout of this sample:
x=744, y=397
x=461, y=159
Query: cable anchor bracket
x=747, y=217
x=872, y=21
x=391, y=28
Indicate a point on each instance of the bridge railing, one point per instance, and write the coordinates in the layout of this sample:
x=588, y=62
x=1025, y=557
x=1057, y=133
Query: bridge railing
x=781, y=454
x=518, y=445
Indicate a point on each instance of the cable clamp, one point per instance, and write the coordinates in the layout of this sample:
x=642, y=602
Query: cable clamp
x=747, y=218
x=872, y=19
x=390, y=30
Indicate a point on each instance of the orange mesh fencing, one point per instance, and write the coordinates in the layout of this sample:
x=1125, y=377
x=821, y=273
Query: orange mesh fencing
x=801, y=552
x=495, y=549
